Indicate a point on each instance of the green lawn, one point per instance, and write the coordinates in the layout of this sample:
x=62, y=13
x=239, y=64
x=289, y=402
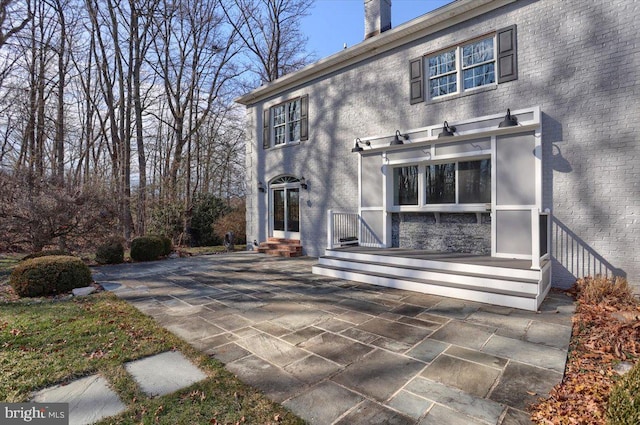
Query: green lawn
x=46, y=342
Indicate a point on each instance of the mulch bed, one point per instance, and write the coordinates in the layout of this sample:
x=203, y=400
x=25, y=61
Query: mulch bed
x=605, y=344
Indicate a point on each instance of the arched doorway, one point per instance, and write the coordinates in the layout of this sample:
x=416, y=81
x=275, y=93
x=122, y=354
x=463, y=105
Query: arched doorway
x=284, y=194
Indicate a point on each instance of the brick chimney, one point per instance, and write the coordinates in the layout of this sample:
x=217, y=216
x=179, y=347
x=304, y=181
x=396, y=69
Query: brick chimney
x=377, y=17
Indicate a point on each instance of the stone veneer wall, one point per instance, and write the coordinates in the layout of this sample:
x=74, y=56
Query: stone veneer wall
x=456, y=232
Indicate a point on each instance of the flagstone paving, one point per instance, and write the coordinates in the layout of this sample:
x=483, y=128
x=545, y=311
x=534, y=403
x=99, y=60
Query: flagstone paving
x=341, y=352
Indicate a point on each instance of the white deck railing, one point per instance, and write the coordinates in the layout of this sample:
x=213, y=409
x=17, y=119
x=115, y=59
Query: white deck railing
x=349, y=229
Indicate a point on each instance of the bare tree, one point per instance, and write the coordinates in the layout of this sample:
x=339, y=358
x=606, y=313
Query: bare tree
x=14, y=17
x=270, y=30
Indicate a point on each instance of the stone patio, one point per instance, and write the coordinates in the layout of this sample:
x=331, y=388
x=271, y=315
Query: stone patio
x=340, y=352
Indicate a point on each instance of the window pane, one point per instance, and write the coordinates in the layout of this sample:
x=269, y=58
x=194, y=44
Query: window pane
x=479, y=76
x=278, y=115
x=474, y=182
x=279, y=135
x=442, y=63
x=441, y=183
x=405, y=185
x=278, y=209
x=293, y=210
x=443, y=85
x=294, y=131
x=477, y=53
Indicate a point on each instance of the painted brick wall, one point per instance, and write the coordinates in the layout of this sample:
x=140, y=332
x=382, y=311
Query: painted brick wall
x=578, y=60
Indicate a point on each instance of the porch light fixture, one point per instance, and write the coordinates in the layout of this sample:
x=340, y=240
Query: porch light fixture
x=397, y=141
x=260, y=187
x=357, y=147
x=509, y=121
x=447, y=131
x=303, y=183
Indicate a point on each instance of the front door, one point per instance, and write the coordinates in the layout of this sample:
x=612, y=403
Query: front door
x=285, y=212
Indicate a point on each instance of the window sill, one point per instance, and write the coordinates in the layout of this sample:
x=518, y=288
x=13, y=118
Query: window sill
x=283, y=145
x=469, y=92
x=443, y=208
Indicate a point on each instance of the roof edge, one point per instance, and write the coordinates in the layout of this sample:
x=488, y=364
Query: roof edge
x=429, y=23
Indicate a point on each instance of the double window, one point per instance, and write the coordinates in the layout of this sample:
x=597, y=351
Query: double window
x=461, y=182
x=481, y=62
x=286, y=123
x=462, y=68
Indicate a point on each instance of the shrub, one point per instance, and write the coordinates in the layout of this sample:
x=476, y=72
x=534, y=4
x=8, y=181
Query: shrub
x=49, y=275
x=624, y=401
x=604, y=290
x=46, y=253
x=234, y=221
x=111, y=252
x=148, y=248
x=207, y=208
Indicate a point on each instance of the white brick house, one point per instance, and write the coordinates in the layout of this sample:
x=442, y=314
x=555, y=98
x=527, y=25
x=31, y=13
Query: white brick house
x=568, y=72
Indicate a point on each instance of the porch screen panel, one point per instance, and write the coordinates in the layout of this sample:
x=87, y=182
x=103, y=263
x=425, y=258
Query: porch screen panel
x=513, y=232
x=372, y=181
x=293, y=210
x=515, y=166
x=278, y=209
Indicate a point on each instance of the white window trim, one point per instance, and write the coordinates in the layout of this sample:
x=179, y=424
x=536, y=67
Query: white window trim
x=459, y=69
x=287, y=122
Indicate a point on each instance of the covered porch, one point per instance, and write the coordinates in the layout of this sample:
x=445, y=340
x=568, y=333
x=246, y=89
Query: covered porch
x=455, y=213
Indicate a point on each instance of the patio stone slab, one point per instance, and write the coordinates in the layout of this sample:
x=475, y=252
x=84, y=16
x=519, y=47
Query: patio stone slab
x=463, y=334
x=549, y=334
x=324, y=403
x=379, y=374
x=522, y=385
x=312, y=369
x=302, y=335
x=410, y=404
x=475, y=407
x=272, y=349
x=164, y=373
x=477, y=357
x=473, y=378
x=232, y=322
x=277, y=384
x=228, y=353
x=527, y=352
x=440, y=415
x=336, y=348
x=396, y=331
x=428, y=350
x=90, y=399
x=516, y=417
x=369, y=413
x=191, y=329
x=456, y=309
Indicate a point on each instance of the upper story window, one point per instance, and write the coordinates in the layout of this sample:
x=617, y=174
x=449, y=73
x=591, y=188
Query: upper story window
x=481, y=62
x=468, y=66
x=286, y=123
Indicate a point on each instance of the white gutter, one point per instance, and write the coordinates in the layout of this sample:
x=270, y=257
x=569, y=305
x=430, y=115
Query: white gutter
x=437, y=20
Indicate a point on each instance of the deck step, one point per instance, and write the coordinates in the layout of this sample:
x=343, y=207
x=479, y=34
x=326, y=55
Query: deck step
x=489, y=280
x=503, y=297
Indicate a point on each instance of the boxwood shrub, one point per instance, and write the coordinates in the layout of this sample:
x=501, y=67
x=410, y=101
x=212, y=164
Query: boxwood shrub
x=148, y=248
x=624, y=401
x=45, y=253
x=111, y=252
x=49, y=275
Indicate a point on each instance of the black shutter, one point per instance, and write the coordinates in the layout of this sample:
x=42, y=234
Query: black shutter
x=507, y=55
x=304, y=117
x=416, y=88
x=266, y=125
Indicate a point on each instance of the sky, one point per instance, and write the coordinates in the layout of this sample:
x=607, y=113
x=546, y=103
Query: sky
x=331, y=23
